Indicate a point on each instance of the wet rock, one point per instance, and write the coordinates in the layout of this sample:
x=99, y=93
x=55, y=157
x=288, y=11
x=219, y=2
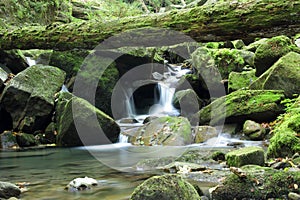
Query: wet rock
x=254, y=130
x=29, y=97
x=165, y=188
x=155, y=163
x=8, y=190
x=182, y=167
x=283, y=75
x=3, y=78
x=218, y=156
x=128, y=121
x=286, y=142
x=79, y=184
x=149, y=119
x=246, y=156
x=8, y=140
x=293, y=196
x=240, y=80
x=188, y=102
x=26, y=140
x=254, y=45
x=172, y=131
x=269, y=52
x=204, y=133
x=259, y=183
x=257, y=105
x=78, y=123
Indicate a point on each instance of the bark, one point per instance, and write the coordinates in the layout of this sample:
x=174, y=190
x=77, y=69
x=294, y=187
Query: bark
x=230, y=20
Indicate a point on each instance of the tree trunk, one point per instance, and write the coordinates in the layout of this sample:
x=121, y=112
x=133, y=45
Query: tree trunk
x=231, y=20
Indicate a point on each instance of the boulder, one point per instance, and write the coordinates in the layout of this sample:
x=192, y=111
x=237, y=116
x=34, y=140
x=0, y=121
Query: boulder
x=29, y=97
x=79, y=184
x=254, y=130
x=269, y=52
x=258, y=183
x=170, y=131
x=8, y=190
x=286, y=141
x=8, y=140
x=204, y=133
x=246, y=156
x=240, y=80
x=79, y=123
x=283, y=75
x=3, y=78
x=238, y=106
x=165, y=188
x=26, y=140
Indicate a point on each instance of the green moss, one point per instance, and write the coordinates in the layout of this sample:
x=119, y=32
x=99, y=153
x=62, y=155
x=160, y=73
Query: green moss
x=240, y=80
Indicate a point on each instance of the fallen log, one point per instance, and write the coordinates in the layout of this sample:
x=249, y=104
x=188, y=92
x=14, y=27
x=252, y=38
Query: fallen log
x=241, y=19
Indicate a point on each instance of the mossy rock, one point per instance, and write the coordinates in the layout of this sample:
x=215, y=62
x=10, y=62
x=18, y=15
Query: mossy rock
x=26, y=140
x=283, y=75
x=253, y=130
x=29, y=96
x=285, y=141
x=240, y=80
x=246, y=156
x=165, y=188
x=269, y=52
x=238, y=106
x=170, y=131
x=79, y=123
x=260, y=183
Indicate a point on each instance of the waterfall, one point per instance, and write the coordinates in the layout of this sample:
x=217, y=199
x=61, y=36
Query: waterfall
x=129, y=103
x=123, y=138
x=30, y=61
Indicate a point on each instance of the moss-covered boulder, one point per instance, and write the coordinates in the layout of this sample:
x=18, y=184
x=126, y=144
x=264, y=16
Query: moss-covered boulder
x=240, y=80
x=286, y=141
x=253, y=130
x=269, y=52
x=172, y=131
x=283, y=75
x=29, y=97
x=165, y=188
x=79, y=123
x=246, y=156
x=238, y=106
x=258, y=183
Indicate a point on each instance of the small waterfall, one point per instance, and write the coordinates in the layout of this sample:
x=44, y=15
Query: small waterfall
x=130, y=107
x=30, y=61
x=123, y=138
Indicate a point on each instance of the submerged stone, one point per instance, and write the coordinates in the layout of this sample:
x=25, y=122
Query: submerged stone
x=165, y=188
x=283, y=75
x=246, y=156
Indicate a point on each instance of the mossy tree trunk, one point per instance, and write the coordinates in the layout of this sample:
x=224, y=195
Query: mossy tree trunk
x=229, y=20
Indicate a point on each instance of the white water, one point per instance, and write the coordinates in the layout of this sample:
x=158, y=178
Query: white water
x=30, y=61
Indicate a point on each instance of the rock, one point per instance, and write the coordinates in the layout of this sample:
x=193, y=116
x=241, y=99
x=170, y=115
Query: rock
x=79, y=184
x=170, y=131
x=154, y=163
x=240, y=80
x=3, y=78
x=285, y=141
x=8, y=140
x=8, y=190
x=204, y=133
x=40, y=56
x=254, y=45
x=245, y=156
x=283, y=75
x=257, y=105
x=165, y=188
x=149, y=119
x=13, y=60
x=260, y=183
x=269, y=52
x=182, y=167
x=70, y=110
x=128, y=121
x=188, y=101
x=26, y=140
x=218, y=156
x=29, y=97
x=238, y=44
x=293, y=196
x=254, y=130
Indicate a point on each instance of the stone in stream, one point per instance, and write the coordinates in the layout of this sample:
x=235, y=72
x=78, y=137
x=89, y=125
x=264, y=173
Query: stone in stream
x=170, y=131
x=238, y=106
x=246, y=156
x=254, y=130
x=29, y=97
x=8, y=190
x=165, y=188
x=79, y=184
x=79, y=123
x=204, y=133
x=269, y=52
x=26, y=140
x=8, y=140
x=283, y=75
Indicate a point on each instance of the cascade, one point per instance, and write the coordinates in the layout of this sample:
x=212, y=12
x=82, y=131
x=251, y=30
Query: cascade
x=30, y=61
